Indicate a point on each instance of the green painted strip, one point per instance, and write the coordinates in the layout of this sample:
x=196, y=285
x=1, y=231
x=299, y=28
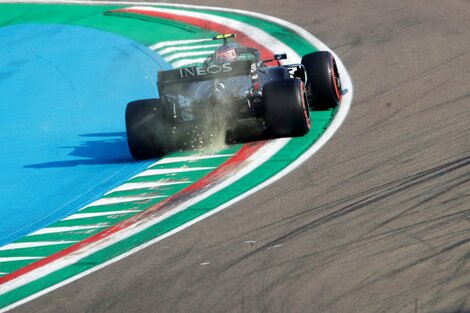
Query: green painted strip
x=8, y=267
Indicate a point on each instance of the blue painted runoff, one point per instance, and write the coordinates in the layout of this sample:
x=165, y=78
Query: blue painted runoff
x=63, y=93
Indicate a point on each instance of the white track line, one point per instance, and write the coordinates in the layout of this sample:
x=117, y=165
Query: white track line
x=165, y=171
x=116, y=200
x=185, y=48
x=97, y=214
x=53, y=230
x=188, y=54
x=20, y=258
x=190, y=158
x=187, y=62
x=33, y=244
x=147, y=185
x=334, y=126
x=177, y=43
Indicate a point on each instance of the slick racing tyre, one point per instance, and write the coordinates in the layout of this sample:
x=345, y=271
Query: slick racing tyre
x=286, y=111
x=147, y=129
x=323, y=83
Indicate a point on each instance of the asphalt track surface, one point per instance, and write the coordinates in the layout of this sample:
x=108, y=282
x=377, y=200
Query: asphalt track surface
x=377, y=221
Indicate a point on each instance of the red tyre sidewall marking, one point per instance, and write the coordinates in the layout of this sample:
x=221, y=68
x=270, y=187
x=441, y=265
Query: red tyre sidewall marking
x=304, y=106
x=335, y=85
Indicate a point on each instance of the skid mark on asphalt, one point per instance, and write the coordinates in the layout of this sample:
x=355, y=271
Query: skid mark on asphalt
x=351, y=206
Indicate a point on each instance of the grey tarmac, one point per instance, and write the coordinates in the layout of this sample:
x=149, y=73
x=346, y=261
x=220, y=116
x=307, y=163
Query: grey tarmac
x=377, y=221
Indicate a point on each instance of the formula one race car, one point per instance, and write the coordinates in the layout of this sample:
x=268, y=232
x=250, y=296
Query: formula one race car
x=233, y=95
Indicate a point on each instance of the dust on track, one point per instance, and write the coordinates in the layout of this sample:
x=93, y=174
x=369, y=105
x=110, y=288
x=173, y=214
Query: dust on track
x=377, y=221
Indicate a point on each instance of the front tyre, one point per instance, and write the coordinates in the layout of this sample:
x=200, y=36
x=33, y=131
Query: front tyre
x=323, y=80
x=286, y=111
x=147, y=129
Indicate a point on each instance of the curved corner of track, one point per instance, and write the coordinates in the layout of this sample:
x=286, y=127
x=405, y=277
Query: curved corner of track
x=73, y=150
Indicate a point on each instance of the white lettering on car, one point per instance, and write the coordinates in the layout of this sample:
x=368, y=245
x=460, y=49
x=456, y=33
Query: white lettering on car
x=200, y=71
x=227, y=67
x=187, y=72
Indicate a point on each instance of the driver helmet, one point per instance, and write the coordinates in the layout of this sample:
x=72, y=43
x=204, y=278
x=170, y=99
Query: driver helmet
x=226, y=53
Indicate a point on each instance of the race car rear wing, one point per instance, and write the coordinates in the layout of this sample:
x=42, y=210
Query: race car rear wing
x=201, y=73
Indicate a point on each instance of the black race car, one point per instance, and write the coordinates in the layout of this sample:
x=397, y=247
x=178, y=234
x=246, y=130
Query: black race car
x=233, y=95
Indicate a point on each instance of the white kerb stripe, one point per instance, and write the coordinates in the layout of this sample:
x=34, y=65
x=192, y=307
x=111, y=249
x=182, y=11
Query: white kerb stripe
x=147, y=185
x=116, y=200
x=20, y=258
x=185, y=48
x=33, y=244
x=164, y=171
x=187, y=54
x=52, y=230
x=186, y=62
x=190, y=158
x=177, y=42
x=96, y=214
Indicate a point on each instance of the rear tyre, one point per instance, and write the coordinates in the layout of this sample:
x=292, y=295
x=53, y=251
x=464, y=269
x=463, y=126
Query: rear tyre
x=323, y=83
x=147, y=129
x=285, y=108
